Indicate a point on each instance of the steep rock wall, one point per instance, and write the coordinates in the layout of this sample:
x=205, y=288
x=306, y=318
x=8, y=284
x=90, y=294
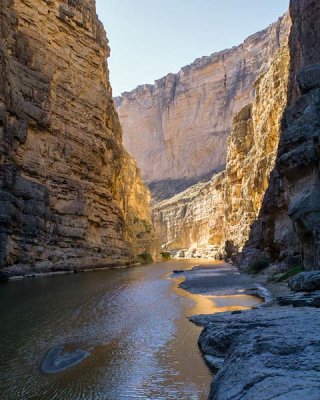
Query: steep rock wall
x=134, y=199
x=61, y=156
x=214, y=218
x=289, y=221
x=252, y=150
x=178, y=128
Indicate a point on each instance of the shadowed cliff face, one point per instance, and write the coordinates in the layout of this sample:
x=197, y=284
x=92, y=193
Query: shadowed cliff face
x=178, y=128
x=288, y=224
x=62, y=161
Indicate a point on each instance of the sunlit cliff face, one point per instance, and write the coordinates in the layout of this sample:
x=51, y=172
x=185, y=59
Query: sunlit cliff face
x=178, y=128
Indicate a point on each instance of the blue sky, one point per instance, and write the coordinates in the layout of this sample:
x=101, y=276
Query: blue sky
x=150, y=38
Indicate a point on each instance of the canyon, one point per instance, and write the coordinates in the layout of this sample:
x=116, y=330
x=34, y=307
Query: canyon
x=213, y=219
x=262, y=198
x=229, y=147
x=70, y=195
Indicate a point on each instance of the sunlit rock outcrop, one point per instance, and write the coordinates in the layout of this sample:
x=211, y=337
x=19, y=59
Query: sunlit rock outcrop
x=134, y=200
x=252, y=150
x=70, y=196
x=177, y=129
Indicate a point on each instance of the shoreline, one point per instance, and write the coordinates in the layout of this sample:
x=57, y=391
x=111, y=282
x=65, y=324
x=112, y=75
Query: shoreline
x=7, y=276
x=264, y=352
x=213, y=302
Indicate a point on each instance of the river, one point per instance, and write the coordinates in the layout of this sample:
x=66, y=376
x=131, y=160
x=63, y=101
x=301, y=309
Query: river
x=133, y=323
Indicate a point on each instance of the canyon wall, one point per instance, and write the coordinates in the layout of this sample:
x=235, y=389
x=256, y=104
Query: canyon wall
x=177, y=129
x=70, y=196
x=270, y=191
x=288, y=227
x=214, y=218
x=191, y=222
x=252, y=150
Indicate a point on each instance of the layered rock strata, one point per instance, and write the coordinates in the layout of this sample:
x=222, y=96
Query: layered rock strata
x=213, y=218
x=70, y=196
x=177, y=129
x=288, y=225
x=191, y=223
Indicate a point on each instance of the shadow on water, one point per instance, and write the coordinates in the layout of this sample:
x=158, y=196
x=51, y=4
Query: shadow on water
x=132, y=322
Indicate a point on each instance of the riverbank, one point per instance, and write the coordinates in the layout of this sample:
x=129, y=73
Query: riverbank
x=269, y=352
x=221, y=280
x=6, y=276
x=214, y=288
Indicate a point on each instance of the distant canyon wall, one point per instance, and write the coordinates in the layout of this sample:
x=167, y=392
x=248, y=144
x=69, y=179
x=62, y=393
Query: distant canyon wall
x=70, y=195
x=178, y=128
x=214, y=218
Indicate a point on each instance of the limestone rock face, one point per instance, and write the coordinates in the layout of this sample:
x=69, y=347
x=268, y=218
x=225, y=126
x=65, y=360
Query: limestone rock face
x=193, y=220
x=214, y=218
x=134, y=199
x=178, y=128
x=252, y=150
x=289, y=221
x=69, y=193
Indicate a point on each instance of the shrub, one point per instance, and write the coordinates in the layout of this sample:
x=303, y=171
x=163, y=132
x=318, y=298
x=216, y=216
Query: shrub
x=259, y=264
x=287, y=275
x=145, y=258
x=166, y=255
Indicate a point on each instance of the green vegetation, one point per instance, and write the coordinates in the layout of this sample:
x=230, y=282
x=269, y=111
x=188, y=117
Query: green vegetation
x=259, y=264
x=166, y=256
x=287, y=275
x=145, y=258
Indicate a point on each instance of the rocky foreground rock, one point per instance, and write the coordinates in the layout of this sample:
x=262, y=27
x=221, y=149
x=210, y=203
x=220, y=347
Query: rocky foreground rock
x=305, y=289
x=70, y=196
x=269, y=354
x=305, y=282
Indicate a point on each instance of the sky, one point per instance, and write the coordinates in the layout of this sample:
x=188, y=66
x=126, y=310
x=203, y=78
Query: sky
x=151, y=38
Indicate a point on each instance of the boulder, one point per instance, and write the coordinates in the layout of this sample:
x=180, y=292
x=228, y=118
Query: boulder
x=305, y=282
x=269, y=353
x=300, y=299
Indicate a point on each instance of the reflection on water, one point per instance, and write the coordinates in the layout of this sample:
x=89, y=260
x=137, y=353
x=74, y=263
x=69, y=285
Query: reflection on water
x=134, y=325
x=208, y=304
